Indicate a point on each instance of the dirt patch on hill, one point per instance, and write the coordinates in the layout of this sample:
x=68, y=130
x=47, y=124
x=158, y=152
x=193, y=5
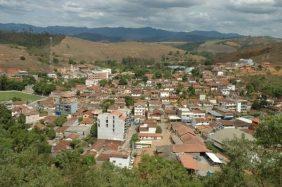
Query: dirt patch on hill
x=79, y=49
x=216, y=48
x=15, y=56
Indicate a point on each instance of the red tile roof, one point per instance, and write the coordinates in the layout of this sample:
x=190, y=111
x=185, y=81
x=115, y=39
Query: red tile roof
x=188, y=162
x=106, y=144
x=189, y=148
x=61, y=145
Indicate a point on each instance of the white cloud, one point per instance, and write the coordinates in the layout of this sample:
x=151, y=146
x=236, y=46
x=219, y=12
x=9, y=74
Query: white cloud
x=243, y=16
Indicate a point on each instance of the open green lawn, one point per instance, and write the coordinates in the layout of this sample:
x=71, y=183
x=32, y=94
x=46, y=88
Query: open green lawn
x=8, y=95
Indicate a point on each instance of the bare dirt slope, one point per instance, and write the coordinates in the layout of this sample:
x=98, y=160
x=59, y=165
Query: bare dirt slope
x=261, y=49
x=214, y=47
x=10, y=57
x=79, y=49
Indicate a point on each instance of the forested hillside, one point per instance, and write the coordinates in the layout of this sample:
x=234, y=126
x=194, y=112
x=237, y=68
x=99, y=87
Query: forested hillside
x=28, y=39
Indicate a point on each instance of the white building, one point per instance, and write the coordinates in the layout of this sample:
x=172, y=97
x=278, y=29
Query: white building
x=97, y=75
x=140, y=109
x=32, y=118
x=148, y=128
x=220, y=73
x=164, y=94
x=225, y=91
x=52, y=75
x=231, y=87
x=111, y=126
x=91, y=82
x=200, y=121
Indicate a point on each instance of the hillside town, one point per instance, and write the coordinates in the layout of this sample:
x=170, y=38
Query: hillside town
x=187, y=117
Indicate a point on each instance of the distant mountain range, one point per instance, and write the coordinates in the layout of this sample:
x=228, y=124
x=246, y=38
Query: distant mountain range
x=116, y=34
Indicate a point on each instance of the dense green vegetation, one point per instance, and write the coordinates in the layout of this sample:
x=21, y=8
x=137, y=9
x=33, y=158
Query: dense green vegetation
x=60, y=120
x=256, y=163
x=129, y=101
x=28, y=39
x=139, y=67
x=44, y=87
x=106, y=104
x=14, y=84
x=191, y=46
x=267, y=85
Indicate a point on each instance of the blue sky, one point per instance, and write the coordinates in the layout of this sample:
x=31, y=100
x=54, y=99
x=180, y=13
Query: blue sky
x=249, y=17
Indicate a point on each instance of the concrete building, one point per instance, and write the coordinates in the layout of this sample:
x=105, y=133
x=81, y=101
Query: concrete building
x=140, y=109
x=112, y=126
x=97, y=75
x=66, y=104
x=120, y=159
x=101, y=74
x=81, y=130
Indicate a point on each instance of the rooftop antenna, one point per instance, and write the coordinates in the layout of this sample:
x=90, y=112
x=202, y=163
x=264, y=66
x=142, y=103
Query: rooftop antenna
x=51, y=53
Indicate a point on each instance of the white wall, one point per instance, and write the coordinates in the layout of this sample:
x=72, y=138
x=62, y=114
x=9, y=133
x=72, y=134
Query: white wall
x=32, y=119
x=114, y=122
x=120, y=162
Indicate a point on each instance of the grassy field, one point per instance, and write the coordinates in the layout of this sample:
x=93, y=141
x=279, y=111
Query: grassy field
x=10, y=57
x=89, y=51
x=9, y=95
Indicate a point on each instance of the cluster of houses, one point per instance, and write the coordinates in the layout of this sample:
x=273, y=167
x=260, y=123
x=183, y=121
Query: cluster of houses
x=214, y=114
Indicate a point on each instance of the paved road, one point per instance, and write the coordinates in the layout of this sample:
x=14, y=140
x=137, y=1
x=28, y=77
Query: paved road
x=130, y=131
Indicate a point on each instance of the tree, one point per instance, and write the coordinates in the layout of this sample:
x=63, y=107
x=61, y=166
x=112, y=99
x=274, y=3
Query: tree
x=75, y=143
x=269, y=131
x=89, y=160
x=5, y=117
x=134, y=138
x=253, y=163
x=250, y=89
x=67, y=159
x=21, y=119
x=159, y=85
x=3, y=82
x=129, y=101
x=43, y=88
x=122, y=81
x=106, y=104
x=94, y=130
x=259, y=104
x=103, y=83
x=50, y=133
x=71, y=61
x=59, y=121
x=169, y=172
x=191, y=91
x=184, y=78
x=235, y=170
x=159, y=129
x=196, y=73
x=144, y=78
x=157, y=75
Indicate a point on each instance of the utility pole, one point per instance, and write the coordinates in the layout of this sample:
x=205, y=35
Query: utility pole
x=51, y=53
